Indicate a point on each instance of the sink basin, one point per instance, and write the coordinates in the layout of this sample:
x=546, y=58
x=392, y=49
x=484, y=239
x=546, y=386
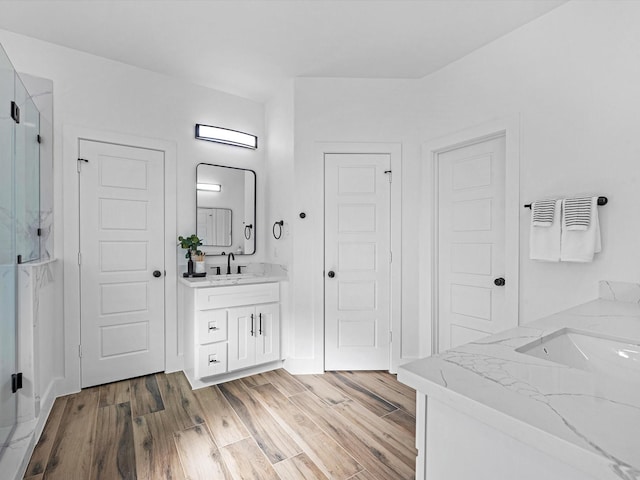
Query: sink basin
x=586, y=351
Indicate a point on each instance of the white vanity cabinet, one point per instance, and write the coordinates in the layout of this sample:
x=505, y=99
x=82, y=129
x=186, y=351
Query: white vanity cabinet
x=229, y=328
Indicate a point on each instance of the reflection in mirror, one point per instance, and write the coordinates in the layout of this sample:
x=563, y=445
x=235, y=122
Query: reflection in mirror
x=226, y=204
x=214, y=226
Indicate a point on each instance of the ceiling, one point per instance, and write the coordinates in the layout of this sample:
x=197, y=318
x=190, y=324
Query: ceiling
x=249, y=47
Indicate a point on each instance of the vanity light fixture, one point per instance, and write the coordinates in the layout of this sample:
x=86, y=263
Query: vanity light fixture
x=209, y=187
x=227, y=136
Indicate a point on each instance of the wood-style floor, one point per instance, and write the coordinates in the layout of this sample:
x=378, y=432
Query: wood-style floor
x=346, y=425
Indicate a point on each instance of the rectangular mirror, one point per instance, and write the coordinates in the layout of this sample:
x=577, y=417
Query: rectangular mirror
x=226, y=209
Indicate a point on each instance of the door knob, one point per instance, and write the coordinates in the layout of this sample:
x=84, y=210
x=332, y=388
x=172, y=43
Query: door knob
x=499, y=282
x=331, y=274
x=157, y=273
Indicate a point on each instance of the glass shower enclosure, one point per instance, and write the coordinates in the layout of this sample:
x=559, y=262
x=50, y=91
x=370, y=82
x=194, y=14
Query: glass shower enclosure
x=19, y=223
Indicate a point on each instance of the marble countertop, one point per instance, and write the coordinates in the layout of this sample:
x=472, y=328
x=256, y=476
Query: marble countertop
x=587, y=420
x=220, y=280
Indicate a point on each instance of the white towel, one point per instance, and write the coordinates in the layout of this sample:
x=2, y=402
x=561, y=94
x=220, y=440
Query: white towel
x=543, y=212
x=544, y=241
x=581, y=245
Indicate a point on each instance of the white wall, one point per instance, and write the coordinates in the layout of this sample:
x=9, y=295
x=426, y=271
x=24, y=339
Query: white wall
x=95, y=93
x=572, y=75
x=279, y=143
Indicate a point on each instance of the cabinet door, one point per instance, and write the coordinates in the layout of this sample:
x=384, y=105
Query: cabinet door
x=242, y=331
x=267, y=333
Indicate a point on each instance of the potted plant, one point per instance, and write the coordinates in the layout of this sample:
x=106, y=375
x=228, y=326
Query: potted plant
x=190, y=244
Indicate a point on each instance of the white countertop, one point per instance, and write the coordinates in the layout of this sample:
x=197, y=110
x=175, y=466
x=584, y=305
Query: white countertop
x=585, y=419
x=220, y=280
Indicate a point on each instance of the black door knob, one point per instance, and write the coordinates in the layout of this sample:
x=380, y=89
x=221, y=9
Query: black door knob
x=331, y=274
x=499, y=282
x=157, y=273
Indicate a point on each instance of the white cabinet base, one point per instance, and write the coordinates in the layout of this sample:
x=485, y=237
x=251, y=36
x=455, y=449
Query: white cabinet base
x=459, y=447
x=227, y=377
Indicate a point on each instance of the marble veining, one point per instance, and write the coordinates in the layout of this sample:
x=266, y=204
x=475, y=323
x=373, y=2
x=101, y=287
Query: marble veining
x=620, y=291
x=46, y=237
x=34, y=277
x=571, y=414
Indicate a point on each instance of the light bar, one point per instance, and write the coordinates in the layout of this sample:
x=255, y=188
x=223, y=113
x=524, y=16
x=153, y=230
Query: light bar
x=209, y=187
x=226, y=136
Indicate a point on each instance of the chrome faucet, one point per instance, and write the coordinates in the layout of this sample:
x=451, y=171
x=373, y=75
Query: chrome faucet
x=229, y=257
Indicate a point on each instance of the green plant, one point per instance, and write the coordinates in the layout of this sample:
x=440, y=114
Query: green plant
x=190, y=244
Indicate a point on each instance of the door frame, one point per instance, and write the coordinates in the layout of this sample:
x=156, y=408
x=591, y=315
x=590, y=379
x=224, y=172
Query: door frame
x=428, y=307
x=72, y=135
x=394, y=150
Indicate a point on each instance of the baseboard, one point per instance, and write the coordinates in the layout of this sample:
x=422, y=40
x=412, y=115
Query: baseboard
x=46, y=404
x=302, y=366
x=30, y=442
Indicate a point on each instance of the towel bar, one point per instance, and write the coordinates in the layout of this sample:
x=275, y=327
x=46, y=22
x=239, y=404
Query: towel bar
x=601, y=201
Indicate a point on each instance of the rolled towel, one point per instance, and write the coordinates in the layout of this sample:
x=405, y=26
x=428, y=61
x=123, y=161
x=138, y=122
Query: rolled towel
x=576, y=213
x=543, y=213
x=544, y=242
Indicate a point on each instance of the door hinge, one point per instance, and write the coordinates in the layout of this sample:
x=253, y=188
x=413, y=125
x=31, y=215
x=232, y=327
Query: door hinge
x=39, y=232
x=390, y=257
x=15, y=112
x=80, y=160
x=79, y=258
x=388, y=172
x=80, y=351
x=16, y=382
x=390, y=337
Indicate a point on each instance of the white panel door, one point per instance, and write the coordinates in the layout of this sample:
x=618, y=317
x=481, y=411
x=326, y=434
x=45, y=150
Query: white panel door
x=357, y=257
x=471, y=243
x=242, y=337
x=268, y=333
x=121, y=246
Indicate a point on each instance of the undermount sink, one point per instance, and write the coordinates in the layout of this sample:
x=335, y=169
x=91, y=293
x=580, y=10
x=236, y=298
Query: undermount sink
x=613, y=357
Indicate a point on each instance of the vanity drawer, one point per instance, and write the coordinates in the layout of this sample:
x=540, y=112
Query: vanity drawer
x=237, y=295
x=211, y=326
x=212, y=360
